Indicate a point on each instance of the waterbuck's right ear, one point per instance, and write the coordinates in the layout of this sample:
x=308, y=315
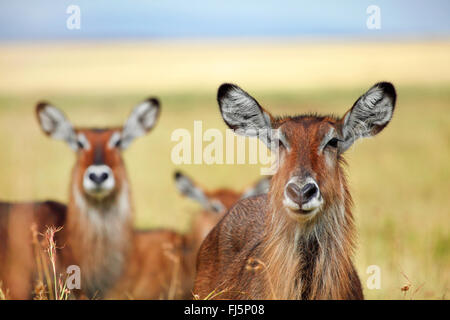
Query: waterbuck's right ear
x=243, y=114
x=188, y=188
x=141, y=120
x=370, y=114
x=55, y=124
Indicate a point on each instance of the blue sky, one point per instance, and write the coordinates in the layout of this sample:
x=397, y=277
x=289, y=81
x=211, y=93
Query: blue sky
x=122, y=19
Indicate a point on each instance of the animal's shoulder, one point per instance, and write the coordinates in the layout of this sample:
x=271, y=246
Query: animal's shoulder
x=50, y=213
x=244, y=222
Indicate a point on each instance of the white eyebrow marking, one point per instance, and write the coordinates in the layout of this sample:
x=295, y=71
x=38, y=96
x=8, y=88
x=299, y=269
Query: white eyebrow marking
x=115, y=137
x=84, y=141
x=328, y=136
x=283, y=139
x=279, y=134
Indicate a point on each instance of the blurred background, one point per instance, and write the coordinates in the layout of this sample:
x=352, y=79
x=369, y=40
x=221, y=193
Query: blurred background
x=100, y=58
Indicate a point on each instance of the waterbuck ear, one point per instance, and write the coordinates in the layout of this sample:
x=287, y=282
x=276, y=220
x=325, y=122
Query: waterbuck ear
x=261, y=187
x=188, y=188
x=370, y=114
x=55, y=124
x=141, y=120
x=243, y=114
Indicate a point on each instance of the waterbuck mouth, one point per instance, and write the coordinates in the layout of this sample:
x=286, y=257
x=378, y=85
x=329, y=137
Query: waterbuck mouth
x=98, y=193
x=312, y=206
x=306, y=212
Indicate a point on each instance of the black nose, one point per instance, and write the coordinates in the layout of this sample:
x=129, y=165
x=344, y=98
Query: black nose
x=301, y=195
x=309, y=191
x=294, y=192
x=98, y=178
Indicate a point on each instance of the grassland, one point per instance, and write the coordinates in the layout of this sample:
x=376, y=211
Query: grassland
x=400, y=180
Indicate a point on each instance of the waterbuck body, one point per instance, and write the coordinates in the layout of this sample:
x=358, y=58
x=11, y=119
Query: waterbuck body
x=162, y=263
x=298, y=241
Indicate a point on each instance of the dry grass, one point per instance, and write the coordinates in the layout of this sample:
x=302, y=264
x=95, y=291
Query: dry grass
x=174, y=284
x=3, y=292
x=399, y=180
x=50, y=285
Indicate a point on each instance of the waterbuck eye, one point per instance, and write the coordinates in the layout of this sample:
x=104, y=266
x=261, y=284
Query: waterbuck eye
x=283, y=141
x=82, y=142
x=115, y=141
x=333, y=143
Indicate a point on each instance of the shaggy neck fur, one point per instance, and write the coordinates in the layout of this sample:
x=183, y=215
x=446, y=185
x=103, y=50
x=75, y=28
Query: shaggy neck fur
x=99, y=234
x=309, y=259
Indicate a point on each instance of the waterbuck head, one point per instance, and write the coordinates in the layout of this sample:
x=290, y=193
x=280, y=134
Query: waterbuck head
x=99, y=171
x=310, y=177
x=215, y=203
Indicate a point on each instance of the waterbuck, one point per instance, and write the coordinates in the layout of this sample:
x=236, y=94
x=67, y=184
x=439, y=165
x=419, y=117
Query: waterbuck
x=296, y=242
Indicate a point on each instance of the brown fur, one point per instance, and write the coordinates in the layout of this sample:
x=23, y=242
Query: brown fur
x=97, y=236
x=258, y=251
x=18, y=265
x=97, y=227
x=162, y=262
x=98, y=245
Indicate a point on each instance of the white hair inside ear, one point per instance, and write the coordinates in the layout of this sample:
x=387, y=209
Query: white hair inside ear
x=242, y=113
x=141, y=120
x=54, y=123
x=370, y=114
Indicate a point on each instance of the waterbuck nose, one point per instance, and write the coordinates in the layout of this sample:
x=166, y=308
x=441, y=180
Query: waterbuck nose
x=302, y=195
x=309, y=191
x=294, y=192
x=98, y=180
x=98, y=177
x=305, y=196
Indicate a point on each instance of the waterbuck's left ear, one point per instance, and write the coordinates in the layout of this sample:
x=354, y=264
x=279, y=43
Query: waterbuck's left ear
x=141, y=120
x=370, y=114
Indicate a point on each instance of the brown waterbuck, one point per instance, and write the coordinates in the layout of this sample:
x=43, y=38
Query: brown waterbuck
x=98, y=230
x=296, y=242
x=162, y=263
x=97, y=223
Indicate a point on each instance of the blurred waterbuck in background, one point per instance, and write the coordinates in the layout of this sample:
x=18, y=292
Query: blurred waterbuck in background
x=97, y=233
x=97, y=223
x=297, y=241
x=162, y=264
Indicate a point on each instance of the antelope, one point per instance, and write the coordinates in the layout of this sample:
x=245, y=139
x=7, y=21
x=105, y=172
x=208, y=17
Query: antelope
x=97, y=223
x=162, y=263
x=298, y=241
